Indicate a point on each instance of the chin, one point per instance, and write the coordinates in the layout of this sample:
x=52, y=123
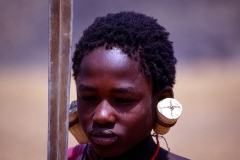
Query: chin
x=108, y=151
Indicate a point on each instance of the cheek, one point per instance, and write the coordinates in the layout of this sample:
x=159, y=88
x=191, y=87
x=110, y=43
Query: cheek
x=148, y=109
x=147, y=117
x=142, y=117
x=86, y=122
x=84, y=116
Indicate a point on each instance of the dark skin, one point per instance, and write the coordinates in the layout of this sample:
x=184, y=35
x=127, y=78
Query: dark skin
x=115, y=103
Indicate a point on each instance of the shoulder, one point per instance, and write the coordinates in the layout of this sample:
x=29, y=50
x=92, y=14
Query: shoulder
x=165, y=155
x=75, y=152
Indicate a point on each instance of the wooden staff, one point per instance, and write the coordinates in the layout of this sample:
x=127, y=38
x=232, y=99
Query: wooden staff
x=60, y=33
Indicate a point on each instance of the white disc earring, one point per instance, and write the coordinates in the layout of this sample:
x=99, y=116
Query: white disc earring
x=168, y=112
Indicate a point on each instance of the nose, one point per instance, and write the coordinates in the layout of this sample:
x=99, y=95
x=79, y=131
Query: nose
x=104, y=113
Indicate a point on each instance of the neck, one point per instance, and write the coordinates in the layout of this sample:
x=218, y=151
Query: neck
x=144, y=150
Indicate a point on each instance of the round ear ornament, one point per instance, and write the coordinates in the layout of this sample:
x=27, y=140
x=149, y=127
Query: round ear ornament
x=168, y=112
x=74, y=125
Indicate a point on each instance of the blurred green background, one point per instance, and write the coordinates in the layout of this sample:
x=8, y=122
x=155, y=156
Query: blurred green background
x=206, y=36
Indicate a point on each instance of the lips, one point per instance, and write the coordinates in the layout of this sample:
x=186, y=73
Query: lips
x=103, y=137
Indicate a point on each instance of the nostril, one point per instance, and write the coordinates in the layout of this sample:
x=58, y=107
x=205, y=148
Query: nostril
x=107, y=125
x=102, y=118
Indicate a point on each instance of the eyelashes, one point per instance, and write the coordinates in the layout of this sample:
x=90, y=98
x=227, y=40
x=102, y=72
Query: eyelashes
x=124, y=101
x=89, y=98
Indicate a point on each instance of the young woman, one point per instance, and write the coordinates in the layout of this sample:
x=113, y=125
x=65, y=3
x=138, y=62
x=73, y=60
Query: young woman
x=123, y=66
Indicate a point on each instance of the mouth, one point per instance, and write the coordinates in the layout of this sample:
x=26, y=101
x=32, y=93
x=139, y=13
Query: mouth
x=103, y=137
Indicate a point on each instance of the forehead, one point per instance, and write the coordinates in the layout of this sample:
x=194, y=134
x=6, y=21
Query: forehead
x=112, y=67
x=109, y=62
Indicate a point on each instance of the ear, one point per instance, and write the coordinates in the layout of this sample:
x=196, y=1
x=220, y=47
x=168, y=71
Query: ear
x=166, y=92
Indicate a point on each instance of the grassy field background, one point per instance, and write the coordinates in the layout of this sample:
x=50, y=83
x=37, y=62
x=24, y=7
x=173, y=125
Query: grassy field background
x=209, y=127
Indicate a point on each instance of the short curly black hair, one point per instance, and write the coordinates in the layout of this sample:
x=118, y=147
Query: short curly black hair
x=137, y=35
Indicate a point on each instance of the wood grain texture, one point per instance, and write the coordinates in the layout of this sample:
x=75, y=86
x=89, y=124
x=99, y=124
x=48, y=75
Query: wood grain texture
x=60, y=32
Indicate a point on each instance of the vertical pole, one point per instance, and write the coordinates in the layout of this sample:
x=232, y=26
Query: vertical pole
x=59, y=73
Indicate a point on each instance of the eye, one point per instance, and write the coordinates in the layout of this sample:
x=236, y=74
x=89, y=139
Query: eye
x=124, y=101
x=89, y=98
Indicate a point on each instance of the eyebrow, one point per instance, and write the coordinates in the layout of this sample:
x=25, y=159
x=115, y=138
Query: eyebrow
x=122, y=90
x=84, y=87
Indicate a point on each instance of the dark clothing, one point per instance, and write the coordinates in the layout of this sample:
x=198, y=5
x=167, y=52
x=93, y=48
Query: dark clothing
x=143, y=151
